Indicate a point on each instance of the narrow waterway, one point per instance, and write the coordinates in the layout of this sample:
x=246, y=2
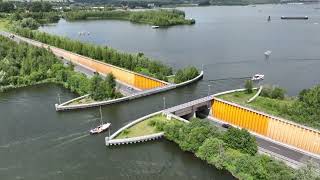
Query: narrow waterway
x=38, y=143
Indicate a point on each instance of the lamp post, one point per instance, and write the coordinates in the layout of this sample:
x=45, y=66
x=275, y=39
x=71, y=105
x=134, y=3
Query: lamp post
x=59, y=98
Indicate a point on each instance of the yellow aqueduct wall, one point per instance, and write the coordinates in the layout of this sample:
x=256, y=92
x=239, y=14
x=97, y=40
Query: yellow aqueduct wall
x=128, y=77
x=275, y=128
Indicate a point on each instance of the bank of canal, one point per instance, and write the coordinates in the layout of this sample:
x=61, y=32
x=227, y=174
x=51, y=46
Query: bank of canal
x=38, y=143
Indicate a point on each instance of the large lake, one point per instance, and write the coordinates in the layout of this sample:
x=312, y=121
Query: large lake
x=229, y=41
x=38, y=143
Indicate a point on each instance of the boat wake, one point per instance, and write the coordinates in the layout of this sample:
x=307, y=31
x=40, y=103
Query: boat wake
x=28, y=140
x=71, y=140
x=69, y=136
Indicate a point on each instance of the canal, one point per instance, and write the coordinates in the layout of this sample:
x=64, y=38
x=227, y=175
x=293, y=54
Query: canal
x=38, y=143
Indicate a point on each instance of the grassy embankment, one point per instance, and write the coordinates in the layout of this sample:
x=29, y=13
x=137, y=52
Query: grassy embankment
x=142, y=128
x=264, y=104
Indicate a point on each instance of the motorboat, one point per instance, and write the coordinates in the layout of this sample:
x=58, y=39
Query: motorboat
x=257, y=77
x=102, y=127
x=155, y=27
x=268, y=53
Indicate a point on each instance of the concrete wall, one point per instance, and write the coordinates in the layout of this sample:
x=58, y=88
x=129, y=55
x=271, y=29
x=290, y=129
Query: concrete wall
x=273, y=127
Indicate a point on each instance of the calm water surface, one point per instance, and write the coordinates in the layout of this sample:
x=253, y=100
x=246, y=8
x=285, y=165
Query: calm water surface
x=38, y=143
x=229, y=41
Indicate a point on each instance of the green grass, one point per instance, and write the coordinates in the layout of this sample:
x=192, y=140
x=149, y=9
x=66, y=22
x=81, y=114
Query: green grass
x=274, y=107
x=142, y=128
x=171, y=79
x=4, y=23
x=85, y=100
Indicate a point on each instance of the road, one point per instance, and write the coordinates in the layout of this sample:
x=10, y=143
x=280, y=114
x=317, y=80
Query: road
x=123, y=88
x=292, y=157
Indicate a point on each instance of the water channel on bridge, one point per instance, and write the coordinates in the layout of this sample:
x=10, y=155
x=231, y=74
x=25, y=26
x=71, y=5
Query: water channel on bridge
x=38, y=143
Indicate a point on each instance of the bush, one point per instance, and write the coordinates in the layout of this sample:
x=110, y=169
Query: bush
x=278, y=93
x=248, y=86
x=240, y=140
x=185, y=74
x=212, y=151
x=273, y=92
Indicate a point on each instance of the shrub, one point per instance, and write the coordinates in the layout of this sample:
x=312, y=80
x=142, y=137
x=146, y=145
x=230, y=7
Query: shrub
x=212, y=151
x=240, y=140
x=248, y=86
x=278, y=93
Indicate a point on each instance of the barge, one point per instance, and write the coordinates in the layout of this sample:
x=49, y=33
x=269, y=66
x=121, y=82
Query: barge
x=295, y=17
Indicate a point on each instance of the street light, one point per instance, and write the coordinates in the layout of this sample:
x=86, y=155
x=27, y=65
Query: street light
x=59, y=98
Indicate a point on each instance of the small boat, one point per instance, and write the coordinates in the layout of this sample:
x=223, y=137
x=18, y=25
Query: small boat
x=155, y=27
x=269, y=18
x=101, y=128
x=268, y=53
x=257, y=77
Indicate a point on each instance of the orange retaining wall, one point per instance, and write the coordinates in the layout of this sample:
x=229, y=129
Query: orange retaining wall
x=275, y=128
x=128, y=77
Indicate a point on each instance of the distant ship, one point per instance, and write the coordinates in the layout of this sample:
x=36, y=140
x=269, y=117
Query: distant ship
x=295, y=17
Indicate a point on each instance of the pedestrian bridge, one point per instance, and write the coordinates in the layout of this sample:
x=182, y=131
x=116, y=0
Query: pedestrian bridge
x=301, y=137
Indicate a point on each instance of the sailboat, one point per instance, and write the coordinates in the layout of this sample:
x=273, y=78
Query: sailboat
x=101, y=128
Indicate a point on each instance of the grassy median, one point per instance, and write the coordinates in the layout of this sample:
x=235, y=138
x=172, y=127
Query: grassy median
x=143, y=128
x=270, y=106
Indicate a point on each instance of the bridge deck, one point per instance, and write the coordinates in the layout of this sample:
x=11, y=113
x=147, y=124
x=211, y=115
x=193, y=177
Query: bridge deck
x=189, y=104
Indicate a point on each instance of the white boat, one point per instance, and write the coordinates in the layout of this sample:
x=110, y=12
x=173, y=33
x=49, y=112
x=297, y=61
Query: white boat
x=257, y=77
x=155, y=27
x=268, y=53
x=102, y=127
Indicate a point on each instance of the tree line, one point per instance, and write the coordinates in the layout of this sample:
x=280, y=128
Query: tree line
x=234, y=150
x=22, y=65
x=134, y=62
x=153, y=17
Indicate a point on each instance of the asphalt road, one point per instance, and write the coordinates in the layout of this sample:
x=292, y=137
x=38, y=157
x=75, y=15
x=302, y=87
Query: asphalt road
x=285, y=153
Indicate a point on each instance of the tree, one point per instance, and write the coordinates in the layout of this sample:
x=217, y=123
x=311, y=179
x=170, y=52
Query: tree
x=111, y=85
x=195, y=133
x=98, y=88
x=212, y=151
x=29, y=23
x=240, y=140
x=248, y=86
x=6, y=7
